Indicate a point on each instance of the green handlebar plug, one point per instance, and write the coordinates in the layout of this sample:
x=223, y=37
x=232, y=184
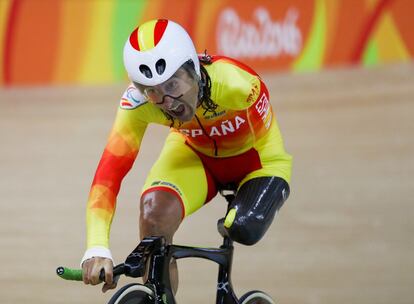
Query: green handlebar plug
x=69, y=274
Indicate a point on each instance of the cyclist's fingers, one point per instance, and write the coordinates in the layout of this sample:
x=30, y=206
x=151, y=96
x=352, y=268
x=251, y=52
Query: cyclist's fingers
x=108, y=268
x=86, y=269
x=106, y=287
x=94, y=274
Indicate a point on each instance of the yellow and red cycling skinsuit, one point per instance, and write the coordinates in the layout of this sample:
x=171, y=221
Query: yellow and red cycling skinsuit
x=239, y=141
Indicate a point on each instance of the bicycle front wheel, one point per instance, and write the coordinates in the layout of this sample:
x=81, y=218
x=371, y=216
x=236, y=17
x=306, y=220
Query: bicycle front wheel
x=256, y=297
x=133, y=294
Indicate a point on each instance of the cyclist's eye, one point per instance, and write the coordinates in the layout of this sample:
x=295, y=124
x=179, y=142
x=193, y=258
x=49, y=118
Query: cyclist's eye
x=150, y=91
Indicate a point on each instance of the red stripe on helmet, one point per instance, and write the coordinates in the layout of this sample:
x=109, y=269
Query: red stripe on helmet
x=159, y=30
x=133, y=39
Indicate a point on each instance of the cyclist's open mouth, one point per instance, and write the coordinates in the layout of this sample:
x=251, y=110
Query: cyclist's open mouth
x=178, y=110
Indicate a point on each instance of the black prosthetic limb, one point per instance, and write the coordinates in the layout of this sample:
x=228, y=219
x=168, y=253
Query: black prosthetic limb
x=252, y=211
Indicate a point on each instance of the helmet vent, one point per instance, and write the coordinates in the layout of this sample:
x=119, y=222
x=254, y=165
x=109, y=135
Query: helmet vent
x=160, y=66
x=145, y=70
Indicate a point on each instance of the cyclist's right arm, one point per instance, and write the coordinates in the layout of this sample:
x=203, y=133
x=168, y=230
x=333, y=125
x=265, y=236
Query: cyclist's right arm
x=118, y=157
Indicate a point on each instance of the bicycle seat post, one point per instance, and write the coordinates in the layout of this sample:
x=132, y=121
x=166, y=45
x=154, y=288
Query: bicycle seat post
x=229, y=193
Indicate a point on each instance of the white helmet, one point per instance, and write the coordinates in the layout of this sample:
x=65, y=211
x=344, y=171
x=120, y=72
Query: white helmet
x=156, y=50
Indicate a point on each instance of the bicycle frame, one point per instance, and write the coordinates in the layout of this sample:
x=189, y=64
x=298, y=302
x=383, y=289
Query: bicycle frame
x=161, y=254
x=159, y=276
x=155, y=253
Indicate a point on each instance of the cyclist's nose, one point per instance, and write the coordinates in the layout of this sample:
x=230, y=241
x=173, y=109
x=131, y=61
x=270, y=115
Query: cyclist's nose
x=169, y=102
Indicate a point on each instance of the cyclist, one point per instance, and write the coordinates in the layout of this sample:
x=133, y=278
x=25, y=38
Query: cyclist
x=223, y=130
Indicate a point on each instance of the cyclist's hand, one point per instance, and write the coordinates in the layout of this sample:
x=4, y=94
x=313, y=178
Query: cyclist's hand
x=91, y=269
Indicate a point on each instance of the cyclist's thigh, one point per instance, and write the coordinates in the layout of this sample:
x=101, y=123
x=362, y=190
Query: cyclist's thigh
x=180, y=171
x=261, y=192
x=275, y=161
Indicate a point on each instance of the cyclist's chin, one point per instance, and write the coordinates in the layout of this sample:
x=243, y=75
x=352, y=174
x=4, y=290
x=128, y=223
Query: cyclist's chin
x=185, y=115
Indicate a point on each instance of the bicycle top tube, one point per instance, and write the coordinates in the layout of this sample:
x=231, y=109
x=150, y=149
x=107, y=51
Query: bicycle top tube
x=218, y=255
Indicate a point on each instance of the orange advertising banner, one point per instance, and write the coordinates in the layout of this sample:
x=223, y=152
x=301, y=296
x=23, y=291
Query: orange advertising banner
x=306, y=35
x=66, y=41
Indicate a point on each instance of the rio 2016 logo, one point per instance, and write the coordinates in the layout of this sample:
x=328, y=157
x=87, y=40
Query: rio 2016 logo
x=261, y=38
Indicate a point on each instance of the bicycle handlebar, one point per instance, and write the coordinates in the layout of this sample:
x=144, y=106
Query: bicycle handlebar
x=72, y=274
x=69, y=273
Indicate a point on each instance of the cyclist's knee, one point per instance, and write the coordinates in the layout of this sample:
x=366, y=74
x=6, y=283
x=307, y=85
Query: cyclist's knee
x=160, y=214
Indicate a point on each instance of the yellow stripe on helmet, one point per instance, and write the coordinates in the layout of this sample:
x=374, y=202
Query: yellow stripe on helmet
x=146, y=35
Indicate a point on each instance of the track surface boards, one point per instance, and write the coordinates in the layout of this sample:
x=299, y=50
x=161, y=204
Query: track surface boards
x=344, y=236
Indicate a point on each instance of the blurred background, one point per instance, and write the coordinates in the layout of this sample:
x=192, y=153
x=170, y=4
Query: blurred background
x=340, y=75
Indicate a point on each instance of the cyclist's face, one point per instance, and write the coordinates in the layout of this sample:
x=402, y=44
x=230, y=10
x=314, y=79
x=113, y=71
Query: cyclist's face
x=178, y=96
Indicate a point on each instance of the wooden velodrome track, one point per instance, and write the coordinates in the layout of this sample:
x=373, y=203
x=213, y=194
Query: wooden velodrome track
x=344, y=236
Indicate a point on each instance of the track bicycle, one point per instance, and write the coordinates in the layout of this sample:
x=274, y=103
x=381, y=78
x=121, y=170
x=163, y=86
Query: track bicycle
x=156, y=252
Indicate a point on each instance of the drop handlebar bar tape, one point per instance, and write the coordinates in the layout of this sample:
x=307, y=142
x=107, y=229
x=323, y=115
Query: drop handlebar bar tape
x=75, y=274
x=69, y=274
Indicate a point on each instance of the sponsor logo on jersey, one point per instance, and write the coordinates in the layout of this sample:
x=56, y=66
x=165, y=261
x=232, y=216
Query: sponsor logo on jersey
x=214, y=115
x=254, y=92
x=131, y=99
x=263, y=109
x=167, y=184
